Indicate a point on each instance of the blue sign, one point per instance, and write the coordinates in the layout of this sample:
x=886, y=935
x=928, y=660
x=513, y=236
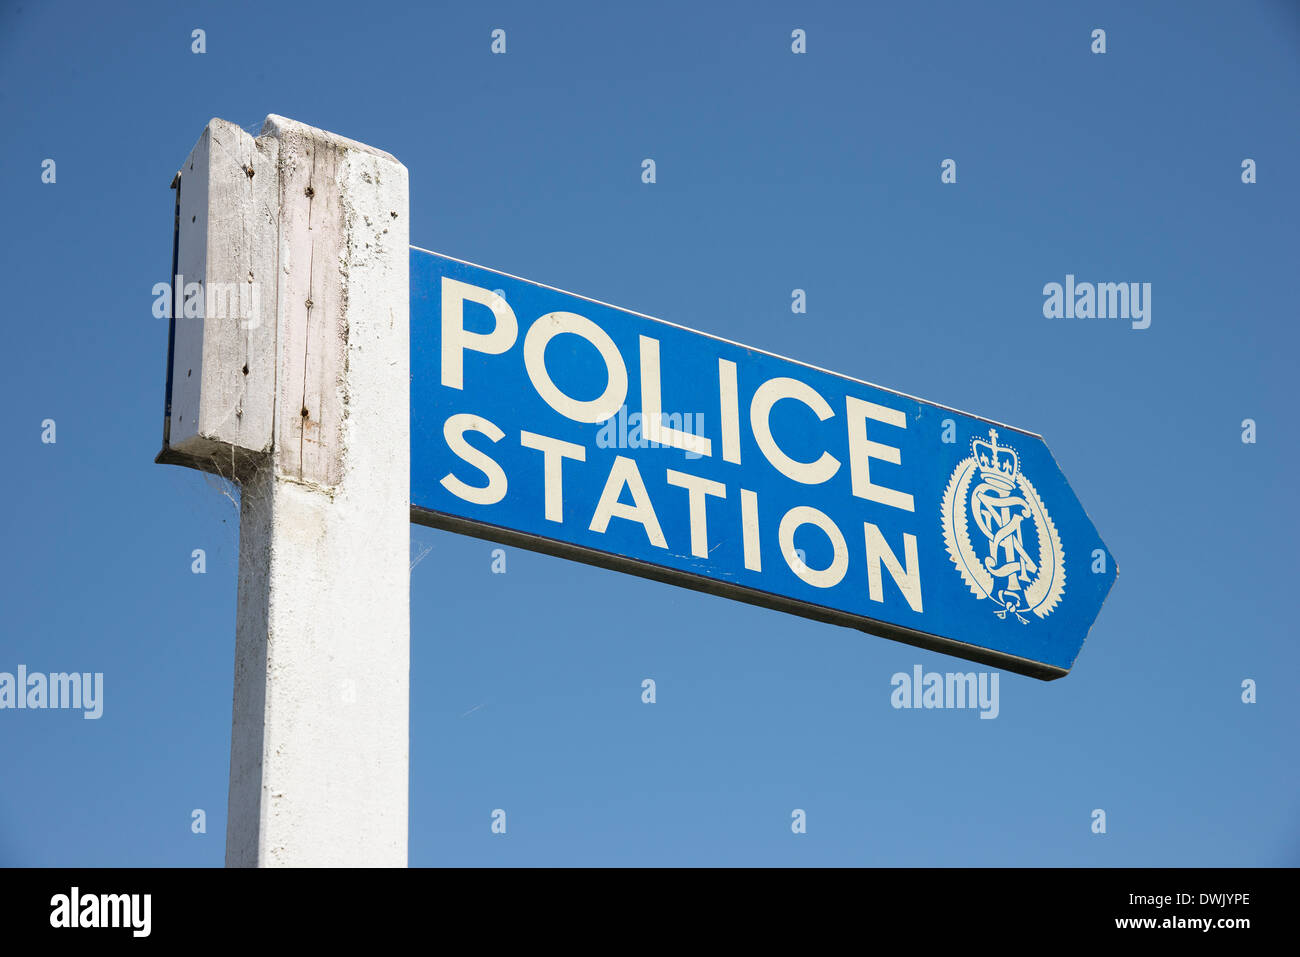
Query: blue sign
x=553, y=422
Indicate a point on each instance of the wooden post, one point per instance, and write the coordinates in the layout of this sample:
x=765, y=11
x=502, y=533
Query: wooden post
x=293, y=380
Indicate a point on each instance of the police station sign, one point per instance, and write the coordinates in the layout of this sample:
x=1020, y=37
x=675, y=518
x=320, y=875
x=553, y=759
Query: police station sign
x=553, y=422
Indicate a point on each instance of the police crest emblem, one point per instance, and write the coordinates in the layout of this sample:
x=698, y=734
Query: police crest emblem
x=999, y=535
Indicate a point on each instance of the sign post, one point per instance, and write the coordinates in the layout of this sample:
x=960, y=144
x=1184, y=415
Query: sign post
x=352, y=384
x=288, y=373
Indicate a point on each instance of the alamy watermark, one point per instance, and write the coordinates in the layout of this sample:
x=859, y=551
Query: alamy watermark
x=1102, y=300
x=951, y=690
x=209, y=300
x=634, y=431
x=84, y=691
x=129, y=911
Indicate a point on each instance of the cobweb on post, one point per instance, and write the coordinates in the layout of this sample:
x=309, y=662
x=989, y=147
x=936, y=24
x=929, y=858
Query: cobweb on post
x=421, y=551
x=223, y=486
x=219, y=505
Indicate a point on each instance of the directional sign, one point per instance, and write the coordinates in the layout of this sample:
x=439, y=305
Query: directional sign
x=553, y=422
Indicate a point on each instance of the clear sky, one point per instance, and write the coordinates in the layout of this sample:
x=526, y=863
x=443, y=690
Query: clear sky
x=775, y=171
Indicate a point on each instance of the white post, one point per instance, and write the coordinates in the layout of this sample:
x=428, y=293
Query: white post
x=304, y=398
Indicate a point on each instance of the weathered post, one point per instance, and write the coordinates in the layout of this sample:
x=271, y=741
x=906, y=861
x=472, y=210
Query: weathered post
x=289, y=373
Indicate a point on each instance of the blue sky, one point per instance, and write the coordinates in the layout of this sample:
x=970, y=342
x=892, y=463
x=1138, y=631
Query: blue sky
x=775, y=171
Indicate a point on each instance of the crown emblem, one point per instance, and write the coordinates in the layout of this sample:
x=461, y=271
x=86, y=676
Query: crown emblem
x=998, y=464
x=999, y=535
